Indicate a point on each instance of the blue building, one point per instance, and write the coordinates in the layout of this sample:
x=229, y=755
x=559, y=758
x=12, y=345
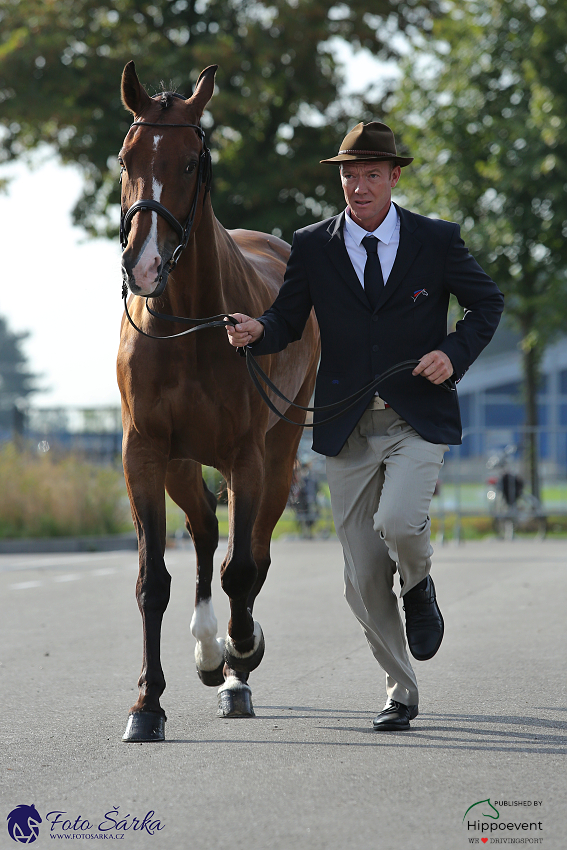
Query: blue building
x=492, y=402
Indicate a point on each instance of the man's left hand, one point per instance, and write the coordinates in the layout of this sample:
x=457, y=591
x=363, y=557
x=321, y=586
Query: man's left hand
x=435, y=366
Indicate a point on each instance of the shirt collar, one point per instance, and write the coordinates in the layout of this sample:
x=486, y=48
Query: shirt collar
x=383, y=232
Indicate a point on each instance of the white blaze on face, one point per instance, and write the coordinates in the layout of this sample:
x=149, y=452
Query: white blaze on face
x=146, y=269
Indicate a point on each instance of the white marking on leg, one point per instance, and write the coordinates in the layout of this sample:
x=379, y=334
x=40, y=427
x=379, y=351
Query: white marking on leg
x=209, y=651
x=257, y=638
x=234, y=684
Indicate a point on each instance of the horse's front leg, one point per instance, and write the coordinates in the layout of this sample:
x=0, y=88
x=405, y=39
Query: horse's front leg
x=145, y=476
x=244, y=644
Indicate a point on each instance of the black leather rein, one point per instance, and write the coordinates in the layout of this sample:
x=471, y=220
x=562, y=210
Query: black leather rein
x=256, y=372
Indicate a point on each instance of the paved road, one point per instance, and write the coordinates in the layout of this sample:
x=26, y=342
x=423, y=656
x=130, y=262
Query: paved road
x=308, y=773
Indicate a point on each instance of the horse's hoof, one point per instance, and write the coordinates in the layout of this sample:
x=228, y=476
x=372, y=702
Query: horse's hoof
x=212, y=678
x=245, y=662
x=235, y=699
x=144, y=727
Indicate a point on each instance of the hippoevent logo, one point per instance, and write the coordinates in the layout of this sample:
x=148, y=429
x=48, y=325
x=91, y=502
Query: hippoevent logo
x=484, y=822
x=23, y=824
x=24, y=821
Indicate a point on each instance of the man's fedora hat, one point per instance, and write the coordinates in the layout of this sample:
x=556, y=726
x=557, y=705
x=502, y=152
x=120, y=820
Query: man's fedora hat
x=367, y=143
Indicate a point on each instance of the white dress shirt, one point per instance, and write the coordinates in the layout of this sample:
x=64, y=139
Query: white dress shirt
x=388, y=235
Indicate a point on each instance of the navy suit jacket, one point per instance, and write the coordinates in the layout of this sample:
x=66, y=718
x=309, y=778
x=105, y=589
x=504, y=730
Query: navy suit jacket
x=410, y=320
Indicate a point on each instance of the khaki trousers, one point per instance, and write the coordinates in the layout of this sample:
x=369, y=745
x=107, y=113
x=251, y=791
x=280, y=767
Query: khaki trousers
x=381, y=487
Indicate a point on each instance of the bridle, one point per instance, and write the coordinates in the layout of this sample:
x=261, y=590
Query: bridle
x=222, y=320
x=204, y=177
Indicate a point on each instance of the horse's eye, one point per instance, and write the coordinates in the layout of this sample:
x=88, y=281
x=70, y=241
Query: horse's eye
x=191, y=167
x=121, y=163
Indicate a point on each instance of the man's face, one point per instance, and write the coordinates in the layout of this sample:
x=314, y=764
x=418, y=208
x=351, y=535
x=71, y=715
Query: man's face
x=368, y=190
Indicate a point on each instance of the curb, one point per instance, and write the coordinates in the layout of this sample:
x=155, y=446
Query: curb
x=111, y=543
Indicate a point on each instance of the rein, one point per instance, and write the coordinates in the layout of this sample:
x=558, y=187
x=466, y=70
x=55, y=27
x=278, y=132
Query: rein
x=257, y=373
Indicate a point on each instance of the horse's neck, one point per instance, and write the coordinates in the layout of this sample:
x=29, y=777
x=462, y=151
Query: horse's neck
x=208, y=280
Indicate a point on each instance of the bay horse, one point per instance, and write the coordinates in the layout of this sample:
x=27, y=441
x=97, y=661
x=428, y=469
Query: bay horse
x=188, y=401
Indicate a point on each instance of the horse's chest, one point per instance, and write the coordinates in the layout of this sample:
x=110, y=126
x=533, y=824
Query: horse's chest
x=193, y=421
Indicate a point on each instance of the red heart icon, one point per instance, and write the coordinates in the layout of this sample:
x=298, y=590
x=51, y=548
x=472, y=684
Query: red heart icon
x=484, y=840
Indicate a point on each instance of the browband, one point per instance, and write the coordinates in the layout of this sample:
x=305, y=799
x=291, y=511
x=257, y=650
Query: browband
x=199, y=130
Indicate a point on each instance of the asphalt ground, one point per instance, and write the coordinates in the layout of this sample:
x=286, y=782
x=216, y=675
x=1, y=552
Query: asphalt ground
x=309, y=772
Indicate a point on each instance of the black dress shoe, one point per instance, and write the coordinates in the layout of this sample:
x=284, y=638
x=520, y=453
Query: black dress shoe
x=394, y=717
x=424, y=623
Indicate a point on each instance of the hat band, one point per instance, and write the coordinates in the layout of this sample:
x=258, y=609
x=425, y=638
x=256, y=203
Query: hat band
x=369, y=153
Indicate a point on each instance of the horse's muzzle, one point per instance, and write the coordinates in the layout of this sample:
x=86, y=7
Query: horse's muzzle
x=144, y=285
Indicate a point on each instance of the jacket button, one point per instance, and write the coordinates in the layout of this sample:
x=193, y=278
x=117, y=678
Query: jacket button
x=374, y=318
x=374, y=348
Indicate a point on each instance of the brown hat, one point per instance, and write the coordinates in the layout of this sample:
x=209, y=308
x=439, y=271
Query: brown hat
x=367, y=143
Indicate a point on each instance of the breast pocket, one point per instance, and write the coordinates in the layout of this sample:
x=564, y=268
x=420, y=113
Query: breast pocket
x=419, y=289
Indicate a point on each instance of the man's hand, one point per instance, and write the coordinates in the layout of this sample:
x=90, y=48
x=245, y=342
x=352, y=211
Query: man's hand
x=435, y=366
x=245, y=332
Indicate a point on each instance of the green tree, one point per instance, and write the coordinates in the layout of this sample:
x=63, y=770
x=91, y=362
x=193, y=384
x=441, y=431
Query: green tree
x=276, y=114
x=16, y=381
x=485, y=111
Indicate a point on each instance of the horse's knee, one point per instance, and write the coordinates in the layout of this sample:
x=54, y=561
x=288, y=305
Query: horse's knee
x=238, y=577
x=153, y=592
x=263, y=565
x=205, y=535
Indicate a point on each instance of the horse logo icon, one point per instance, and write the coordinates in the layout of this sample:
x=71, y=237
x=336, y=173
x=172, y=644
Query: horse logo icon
x=23, y=824
x=484, y=814
x=419, y=292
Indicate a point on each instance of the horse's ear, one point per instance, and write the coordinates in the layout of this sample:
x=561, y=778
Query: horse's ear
x=134, y=96
x=204, y=89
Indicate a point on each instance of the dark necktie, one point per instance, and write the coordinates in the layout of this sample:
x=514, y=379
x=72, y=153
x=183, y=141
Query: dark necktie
x=373, y=279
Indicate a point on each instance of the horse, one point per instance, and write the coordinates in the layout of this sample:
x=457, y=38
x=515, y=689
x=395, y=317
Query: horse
x=187, y=399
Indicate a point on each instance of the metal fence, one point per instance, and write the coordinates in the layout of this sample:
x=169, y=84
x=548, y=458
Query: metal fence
x=472, y=483
x=488, y=476
x=94, y=433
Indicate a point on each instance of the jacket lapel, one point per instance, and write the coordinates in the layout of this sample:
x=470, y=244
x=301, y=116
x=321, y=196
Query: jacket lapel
x=408, y=250
x=339, y=255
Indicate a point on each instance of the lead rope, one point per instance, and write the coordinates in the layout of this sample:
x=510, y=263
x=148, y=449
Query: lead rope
x=256, y=372
x=201, y=324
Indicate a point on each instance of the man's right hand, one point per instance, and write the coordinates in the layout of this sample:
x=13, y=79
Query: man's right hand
x=247, y=330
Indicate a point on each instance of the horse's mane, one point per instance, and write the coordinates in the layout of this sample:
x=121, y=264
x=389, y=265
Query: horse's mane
x=166, y=98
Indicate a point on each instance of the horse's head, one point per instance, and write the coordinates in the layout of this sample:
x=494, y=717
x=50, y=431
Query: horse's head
x=165, y=169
